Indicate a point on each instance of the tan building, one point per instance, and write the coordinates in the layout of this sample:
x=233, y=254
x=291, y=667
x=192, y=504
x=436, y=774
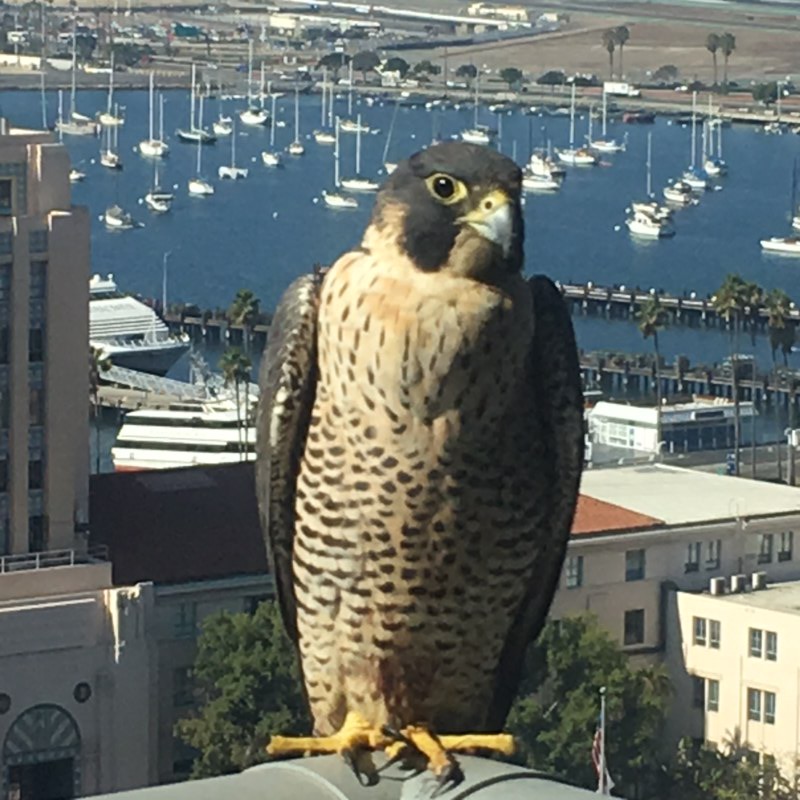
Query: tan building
x=44, y=270
x=639, y=530
x=734, y=659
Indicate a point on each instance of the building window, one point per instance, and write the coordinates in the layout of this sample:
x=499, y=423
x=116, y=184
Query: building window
x=182, y=687
x=713, y=696
x=756, y=642
x=714, y=633
x=37, y=534
x=698, y=692
x=37, y=242
x=771, y=649
x=185, y=620
x=5, y=398
x=769, y=708
x=634, y=626
x=35, y=474
x=765, y=544
x=714, y=553
x=787, y=541
x=36, y=406
x=634, y=565
x=699, y=637
x=574, y=572
x=6, y=197
x=5, y=341
x=35, y=345
x=6, y=246
x=692, y=557
x=754, y=705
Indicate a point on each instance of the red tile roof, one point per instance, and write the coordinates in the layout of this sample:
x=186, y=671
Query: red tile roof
x=597, y=516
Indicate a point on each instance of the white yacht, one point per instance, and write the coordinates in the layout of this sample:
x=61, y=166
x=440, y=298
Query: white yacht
x=649, y=209
x=115, y=218
x=324, y=135
x=680, y=193
x=786, y=245
x=76, y=175
x=111, y=117
x=648, y=226
x=222, y=126
x=539, y=183
x=296, y=147
x=604, y=144
x=109, y=151
x=195, y=133
x=231, y=171
x=157, y=199
x=128, y=331
x=75, y=124
x=255, y=114
x=198, y=186
x=543, y=166
x=477, y=134
x=358, y=183
x=153, y=147
x=186, y=434
x=575, y=156
x=336, y=199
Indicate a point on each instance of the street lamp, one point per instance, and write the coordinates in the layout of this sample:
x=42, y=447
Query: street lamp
x=164, y=281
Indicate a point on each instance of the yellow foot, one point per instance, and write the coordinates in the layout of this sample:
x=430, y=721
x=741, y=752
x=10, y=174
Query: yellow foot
x=356, y=734
x=502, y=743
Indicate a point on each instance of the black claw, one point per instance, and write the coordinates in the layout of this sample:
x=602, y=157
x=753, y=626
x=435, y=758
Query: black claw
x=361, y=763
x=448, y=779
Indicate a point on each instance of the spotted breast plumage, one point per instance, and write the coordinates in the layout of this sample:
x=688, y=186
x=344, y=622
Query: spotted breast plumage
x=420, y=446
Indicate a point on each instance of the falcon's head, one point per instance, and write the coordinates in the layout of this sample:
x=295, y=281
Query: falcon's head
x=455, y=207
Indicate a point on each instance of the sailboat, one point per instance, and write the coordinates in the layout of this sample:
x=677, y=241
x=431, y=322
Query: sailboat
x=695, y=177
x=222, y=125
x=296, y=147
x=575, y=156
x=358, y=183
x=115, y=218
x=336, y=199
x=604, y=144
x=477, y=134
x=195, y=132
x=111, y=116
x=233, y=172
x=271, y=157
x=714, y=164
x=649, y=219
x=786, y=245
x=390, y=166
x=109, y=154
x=75, y=175
x=157, y=199
x=323, y=134
x=350, y=125
x=199, y=186
x=76, y=124
x=152, y=147
x=254, y=114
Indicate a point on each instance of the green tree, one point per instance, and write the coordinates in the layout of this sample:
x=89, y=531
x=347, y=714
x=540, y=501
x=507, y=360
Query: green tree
x=621, y=35
x=334, y=62
x=666, y=74
x=512, y=76
x=552, y=78
x=236, y=369
x=98, y=363
x=729, y=303
x=765, y=93
x=398, y=65
x=781, y=337
x=467, y=72
x=712, y=45
x=244, y=311
x=426, y=67
x=556, y=712
x=248, y=688
x=652, y=318
x=727, y=43
x=609, y=41
x=366, y=61
x=753, y=299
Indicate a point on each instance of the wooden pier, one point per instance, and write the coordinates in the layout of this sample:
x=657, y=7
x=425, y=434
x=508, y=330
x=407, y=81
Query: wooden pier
x=214, y=327
x=622, y=302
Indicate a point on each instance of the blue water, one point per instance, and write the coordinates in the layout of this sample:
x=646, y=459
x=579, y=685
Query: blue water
x=262, y=232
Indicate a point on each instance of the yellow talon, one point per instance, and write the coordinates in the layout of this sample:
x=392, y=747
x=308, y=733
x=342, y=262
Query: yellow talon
x=355, y=734
x=502, y=743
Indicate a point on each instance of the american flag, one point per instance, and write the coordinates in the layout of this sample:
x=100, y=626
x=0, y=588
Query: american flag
x=604, y=782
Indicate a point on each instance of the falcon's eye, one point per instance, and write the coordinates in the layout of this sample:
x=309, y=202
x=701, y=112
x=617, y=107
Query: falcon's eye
x=446, y=189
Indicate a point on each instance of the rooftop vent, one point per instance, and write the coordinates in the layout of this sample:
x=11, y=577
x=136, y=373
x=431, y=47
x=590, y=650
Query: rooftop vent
x=738, y=583
x=717, y=586
x=759, y=581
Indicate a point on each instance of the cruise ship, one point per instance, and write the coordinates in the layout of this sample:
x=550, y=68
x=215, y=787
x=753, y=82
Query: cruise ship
x=129, y=332
x=185, y=435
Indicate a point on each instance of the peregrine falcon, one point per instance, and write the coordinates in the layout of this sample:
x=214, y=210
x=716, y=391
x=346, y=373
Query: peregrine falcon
x=420, y=442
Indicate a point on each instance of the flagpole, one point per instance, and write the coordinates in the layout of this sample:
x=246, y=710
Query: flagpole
x=602, y=785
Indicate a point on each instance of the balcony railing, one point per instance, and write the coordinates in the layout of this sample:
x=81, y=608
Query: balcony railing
x=24, y=562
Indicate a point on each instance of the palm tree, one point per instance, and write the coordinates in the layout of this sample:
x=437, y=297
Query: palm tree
x=621, y=35
x=610, y=43
x=728, y=303
x=778, y=305
x=98, y=363
x=753, y=298
x=244, y=311
x=236, y=370
x=712, y=45
x=652, y=318
x=727, y=43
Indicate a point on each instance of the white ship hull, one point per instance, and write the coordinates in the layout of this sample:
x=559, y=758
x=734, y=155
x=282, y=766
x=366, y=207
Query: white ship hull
x=336, y=200
x=200, y=188
x=577, y=158
x=254, y=116
x=360, y=185
x=324, y=137
x=475, y=136
x=271, y=159
x=153, y=148
x=233, y=173
x=787, y=246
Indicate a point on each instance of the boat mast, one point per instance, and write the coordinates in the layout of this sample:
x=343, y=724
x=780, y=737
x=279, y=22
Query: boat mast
x=336, y=155
x=73, y=87
x=250, y=72
x=60, y=115
x=694, y=124
x=111, y=85
x=350, y=90
x=152, y=87
x=233, y=146
x=591, y=119
x=161, y=118
x=261, y=87
x=358, y=146
x=191, y=110
x=297, y=114
x=475, y=111
x=572, y=119
x=273, y=99
x=322, y=103
x=605, y=110
x=649, y=163
x=331, y=99
x=391, y=130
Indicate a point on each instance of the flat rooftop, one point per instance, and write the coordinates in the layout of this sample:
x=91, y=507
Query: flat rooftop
x=677, y=496
x=783, y=597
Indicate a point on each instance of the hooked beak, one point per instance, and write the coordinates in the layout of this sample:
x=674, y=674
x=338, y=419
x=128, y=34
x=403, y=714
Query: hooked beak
x=492, y=219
